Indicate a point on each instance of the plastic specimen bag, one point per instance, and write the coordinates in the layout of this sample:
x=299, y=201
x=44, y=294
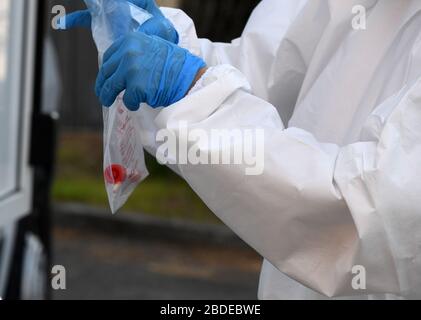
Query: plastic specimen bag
x=124, y=161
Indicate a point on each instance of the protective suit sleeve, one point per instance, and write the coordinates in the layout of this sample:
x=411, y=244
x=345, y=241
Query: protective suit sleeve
x=318, y=212
x=255, y=53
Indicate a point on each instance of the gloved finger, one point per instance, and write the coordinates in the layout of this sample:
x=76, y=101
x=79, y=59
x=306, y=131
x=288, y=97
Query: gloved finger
x=81, y=19
x=111, y=89
x=148, y=5
x=106, y=71
x=113, y=49
x=134, y=94
x=163, y=30
x=133, y=98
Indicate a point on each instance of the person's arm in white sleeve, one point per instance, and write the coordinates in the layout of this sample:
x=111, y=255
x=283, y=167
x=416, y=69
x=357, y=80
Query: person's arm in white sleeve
x=317, y=210
x=255, y=52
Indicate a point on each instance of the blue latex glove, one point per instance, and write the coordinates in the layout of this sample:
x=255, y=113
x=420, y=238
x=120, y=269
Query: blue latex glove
x=150, y=69
x=157, y=26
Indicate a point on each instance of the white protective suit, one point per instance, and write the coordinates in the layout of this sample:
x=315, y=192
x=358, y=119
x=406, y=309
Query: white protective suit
x=341, y=110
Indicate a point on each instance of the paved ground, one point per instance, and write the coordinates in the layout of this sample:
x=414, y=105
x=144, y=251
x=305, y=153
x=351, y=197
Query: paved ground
x=103, y=265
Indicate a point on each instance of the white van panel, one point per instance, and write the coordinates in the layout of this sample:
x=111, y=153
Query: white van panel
x=17, y=54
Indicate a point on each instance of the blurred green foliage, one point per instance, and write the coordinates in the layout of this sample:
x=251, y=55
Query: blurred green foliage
x=79, y=179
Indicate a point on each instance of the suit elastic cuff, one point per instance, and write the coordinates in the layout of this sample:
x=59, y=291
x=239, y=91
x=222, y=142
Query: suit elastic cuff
x=209, y=93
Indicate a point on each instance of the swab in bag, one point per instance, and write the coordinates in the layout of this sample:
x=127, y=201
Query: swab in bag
x=124, y=160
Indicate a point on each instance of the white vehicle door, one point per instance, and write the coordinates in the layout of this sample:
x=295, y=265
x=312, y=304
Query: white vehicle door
x=17, y=56
x=17, y=35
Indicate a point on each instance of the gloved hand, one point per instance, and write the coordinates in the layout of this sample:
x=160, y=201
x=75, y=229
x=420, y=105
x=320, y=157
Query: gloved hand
x=157, y=26
x=150, y=69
